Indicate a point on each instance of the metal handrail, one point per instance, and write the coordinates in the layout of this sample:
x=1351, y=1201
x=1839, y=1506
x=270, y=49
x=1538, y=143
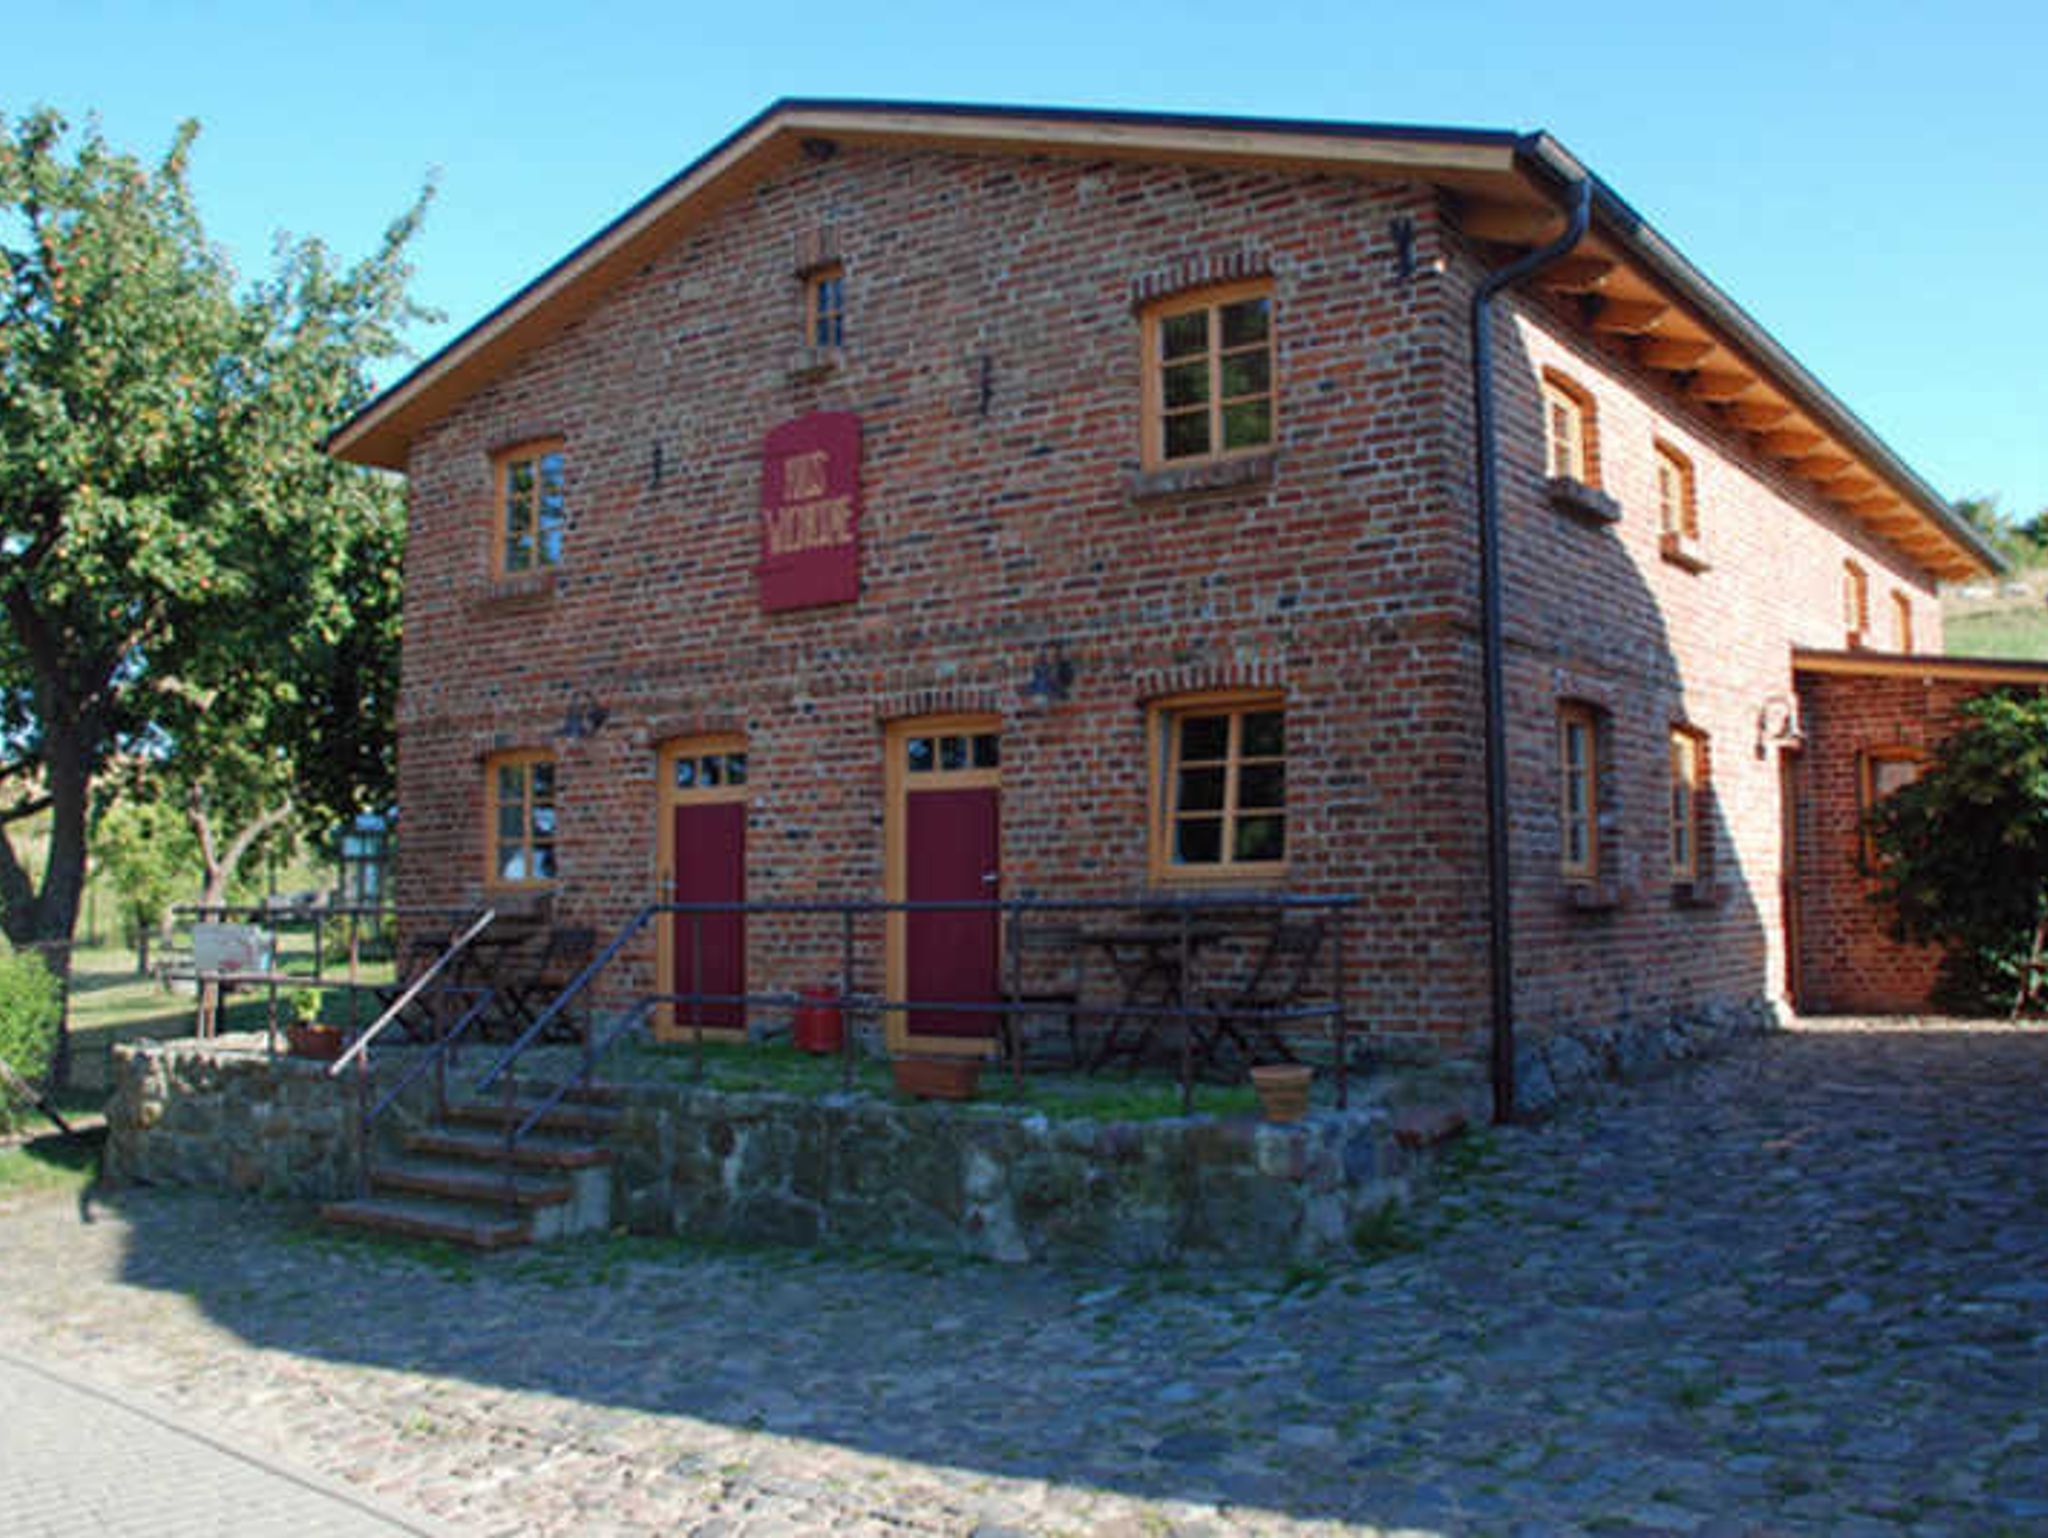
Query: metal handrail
x=377, y=1027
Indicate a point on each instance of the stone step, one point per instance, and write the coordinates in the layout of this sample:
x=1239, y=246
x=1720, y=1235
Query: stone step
x=487, y=1147
x=469, y=1182
x=565, y=1117
x=419, y=1218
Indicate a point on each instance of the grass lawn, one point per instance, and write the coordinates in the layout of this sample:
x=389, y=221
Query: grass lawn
x=49, y=1163
x=109, y=1003
x=774, y=1066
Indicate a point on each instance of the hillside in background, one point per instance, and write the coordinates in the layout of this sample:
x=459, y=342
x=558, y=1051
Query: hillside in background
x=2005, y=617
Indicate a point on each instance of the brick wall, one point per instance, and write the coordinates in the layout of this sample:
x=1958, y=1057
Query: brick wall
x=1848, y=961
x=988, y=533
x=993, y=356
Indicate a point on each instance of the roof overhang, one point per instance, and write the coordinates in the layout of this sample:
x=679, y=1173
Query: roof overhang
x=1967, y=670
x=1508, y=183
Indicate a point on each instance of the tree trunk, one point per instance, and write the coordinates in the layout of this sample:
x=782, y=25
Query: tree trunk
x=42, y=920
x=142, y=951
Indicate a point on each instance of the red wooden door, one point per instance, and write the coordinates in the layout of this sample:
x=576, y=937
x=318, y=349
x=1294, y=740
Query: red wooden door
x=709, y=950
x=951, y=846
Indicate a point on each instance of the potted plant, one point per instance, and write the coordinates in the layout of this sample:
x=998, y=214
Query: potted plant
x=1283, y=1089
x=308, y=1037
x=938, y=1078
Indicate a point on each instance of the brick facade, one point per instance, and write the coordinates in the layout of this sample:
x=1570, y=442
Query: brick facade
x=992, y=354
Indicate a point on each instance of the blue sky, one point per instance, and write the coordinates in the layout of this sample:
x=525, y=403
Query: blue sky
x=1869, y=180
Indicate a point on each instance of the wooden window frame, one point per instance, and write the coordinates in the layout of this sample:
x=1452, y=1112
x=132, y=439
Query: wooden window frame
x=1211, y=301
x=1163, y=720
x=1867, y=794
x=825, y=307
x=1586, y=777
x=1687, y=804
x=1678, y=507
x=502, y=464
x=1583, y=465
x=1855, y=604
x=1902, y=622
x=524, y=758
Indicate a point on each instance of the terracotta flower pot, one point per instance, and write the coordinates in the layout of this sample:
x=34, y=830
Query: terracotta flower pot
x=938, y=1078
x=1283, y=1089
x=319, y=1042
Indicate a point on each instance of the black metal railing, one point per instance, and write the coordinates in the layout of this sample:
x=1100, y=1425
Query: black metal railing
x=1167, y=932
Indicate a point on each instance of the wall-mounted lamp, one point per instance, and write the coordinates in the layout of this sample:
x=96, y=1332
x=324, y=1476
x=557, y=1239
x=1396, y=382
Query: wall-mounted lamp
x=1052, y=676
x=1777, y=725
x=585, y=718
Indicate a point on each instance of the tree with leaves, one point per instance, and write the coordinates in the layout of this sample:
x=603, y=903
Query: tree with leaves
x=145, y=849
x=1963, y=850
x=178, y=560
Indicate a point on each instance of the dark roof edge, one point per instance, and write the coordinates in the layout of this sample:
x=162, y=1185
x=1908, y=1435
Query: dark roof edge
x=1615, y=215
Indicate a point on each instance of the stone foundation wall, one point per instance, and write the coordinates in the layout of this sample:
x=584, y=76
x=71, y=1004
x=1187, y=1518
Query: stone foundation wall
x=851, y=1170
x=1553, y=1069
x=224, y=1116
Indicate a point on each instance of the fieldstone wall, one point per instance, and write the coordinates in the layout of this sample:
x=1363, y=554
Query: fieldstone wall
x=224, y=1116
x=1555, y=1068
x=854, y=1170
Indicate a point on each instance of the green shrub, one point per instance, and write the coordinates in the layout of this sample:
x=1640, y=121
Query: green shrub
x=28, y=1025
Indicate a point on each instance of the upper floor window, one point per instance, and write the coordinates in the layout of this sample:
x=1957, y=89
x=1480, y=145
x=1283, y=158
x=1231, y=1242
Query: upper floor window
x=1209, y=374
x=1570, y=442
x=1855, y=603
x=520, y=819
x=1902, y=621
x=1688, y=779
x=1220, y=789
x=1578, y=793
x=825, y=307
x=532, y=510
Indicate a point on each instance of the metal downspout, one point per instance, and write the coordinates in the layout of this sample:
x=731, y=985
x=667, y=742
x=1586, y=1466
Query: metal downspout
x=1500, y=932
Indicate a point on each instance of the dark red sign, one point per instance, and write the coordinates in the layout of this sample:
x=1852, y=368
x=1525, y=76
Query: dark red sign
x=810, y=512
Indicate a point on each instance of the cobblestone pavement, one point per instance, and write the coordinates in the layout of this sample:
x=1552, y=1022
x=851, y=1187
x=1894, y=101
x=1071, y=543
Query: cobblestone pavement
x=79, y=1463
x=1803, y=1289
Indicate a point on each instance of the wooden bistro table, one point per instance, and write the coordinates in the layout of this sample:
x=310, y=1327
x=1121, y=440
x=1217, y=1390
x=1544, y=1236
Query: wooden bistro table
x=1146, y=957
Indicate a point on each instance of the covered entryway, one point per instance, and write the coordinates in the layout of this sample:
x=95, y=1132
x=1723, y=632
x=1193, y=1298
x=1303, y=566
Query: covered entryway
x=944, y=837
x=703, y=839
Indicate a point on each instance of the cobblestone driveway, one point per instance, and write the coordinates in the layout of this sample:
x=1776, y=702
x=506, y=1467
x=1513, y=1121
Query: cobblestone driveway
x=1802, y=1289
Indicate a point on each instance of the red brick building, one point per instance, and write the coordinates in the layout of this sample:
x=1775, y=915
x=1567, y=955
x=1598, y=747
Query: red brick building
x=1087, y=502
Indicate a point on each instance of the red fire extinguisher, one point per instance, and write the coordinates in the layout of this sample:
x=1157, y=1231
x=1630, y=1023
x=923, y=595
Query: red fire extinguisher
x=817, y=1026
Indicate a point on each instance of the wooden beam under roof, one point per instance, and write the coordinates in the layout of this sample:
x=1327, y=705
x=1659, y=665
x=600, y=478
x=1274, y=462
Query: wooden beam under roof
x=1823, y=466
x=1790, y=442
x=1672, y=352
x=1757, y=416
x=1629, y=317
x=1514, y=224
x=1722, y=384
x=1576, y=274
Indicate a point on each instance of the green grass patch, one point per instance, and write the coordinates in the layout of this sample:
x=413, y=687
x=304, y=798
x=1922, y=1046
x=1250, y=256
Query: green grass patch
x=53, y=1163
x=778, y=1068
x=1998, y=633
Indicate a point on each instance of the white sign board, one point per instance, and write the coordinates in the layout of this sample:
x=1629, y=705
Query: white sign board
x=229, y=949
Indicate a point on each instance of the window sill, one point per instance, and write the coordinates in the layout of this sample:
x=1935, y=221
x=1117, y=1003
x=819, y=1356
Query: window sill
x=1584, y=896
x=809, y=364
x=516, y=589
x=1698, y=893
x=1683, y=551
x=1204, y=475
x=1569, y=495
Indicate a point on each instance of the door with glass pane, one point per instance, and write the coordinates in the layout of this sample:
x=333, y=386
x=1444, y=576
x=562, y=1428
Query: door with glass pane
x=944, y=834
x=704, y=856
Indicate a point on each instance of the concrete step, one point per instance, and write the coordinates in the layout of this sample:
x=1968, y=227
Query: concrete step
x=460, y=1181
x=591, y=1120
x=483, y=1146
x=421, y=1218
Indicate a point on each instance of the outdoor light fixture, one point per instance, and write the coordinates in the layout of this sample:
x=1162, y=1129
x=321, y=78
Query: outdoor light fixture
x=1777, y=724
x=1052, y=676
x=586, y=718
